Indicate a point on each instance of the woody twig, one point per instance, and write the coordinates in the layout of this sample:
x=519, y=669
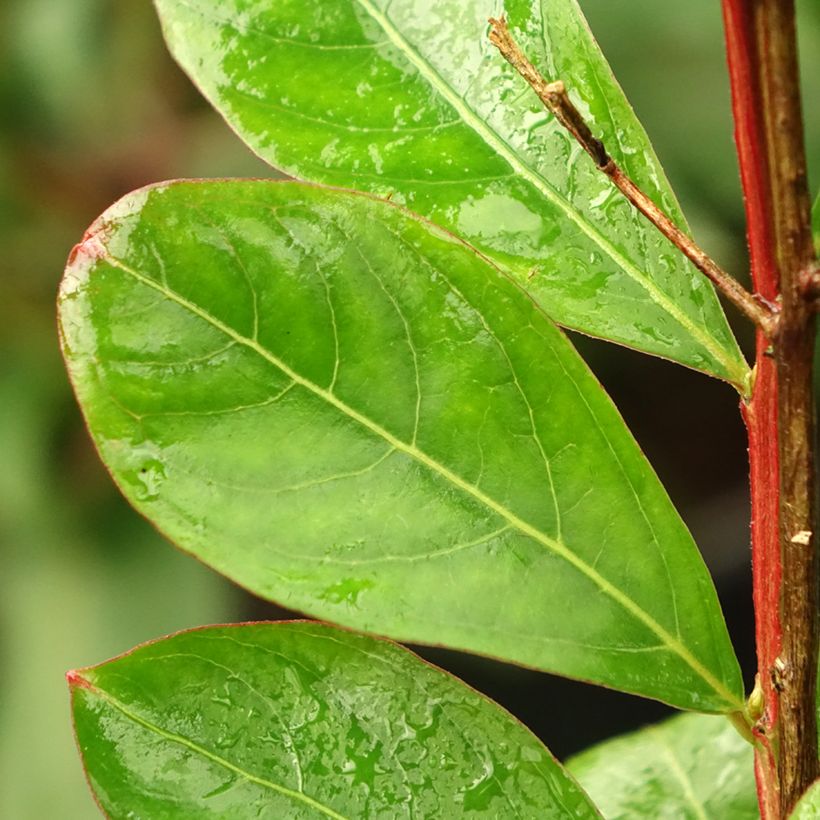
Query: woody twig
x=554, y=96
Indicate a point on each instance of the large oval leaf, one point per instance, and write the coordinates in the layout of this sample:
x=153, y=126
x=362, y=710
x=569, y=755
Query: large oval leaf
x=691, y=767
x=348, y=411
x=411, y=99
x=299, y=720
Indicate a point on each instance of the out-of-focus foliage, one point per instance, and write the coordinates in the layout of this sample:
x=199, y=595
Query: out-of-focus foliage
x=809, y=805
x=688, y=768
x=92, y=107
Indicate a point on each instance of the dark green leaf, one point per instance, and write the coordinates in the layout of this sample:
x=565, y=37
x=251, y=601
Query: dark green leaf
x=352, y=413
x=692, y=767
x=410, y=99
x=298, y=720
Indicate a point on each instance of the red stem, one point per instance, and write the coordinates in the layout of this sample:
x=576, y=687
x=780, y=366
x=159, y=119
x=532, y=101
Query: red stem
x=760, y=413
x=760, y=41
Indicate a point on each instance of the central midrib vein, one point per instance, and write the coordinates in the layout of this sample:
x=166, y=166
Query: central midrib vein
x=497, y=143
x=297, y=796
x=414, y=452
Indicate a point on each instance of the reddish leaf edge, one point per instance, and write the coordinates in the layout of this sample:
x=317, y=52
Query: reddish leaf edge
x=91, y=247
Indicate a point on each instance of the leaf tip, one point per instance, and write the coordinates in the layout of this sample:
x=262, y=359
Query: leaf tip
x=82, y=258
x=75, y=679
x=89, y=249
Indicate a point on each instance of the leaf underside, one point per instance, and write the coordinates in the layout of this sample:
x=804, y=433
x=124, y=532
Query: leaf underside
x=692, y=767
x=347, y=411
x=301, y=720
x=410, y=99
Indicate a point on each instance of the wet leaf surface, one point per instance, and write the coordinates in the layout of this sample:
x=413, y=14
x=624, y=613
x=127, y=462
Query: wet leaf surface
x=410, y=100
x=301, y=720
x=350, y=412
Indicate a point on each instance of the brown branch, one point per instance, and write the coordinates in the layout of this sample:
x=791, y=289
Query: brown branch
x=555, y=98
x=764, y=73
x=773, y=42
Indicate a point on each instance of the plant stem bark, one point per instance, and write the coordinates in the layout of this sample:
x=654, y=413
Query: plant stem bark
x=780, y=416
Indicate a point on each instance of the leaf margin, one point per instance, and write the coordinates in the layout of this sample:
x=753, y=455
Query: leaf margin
x=78, y=680
x=92, y=244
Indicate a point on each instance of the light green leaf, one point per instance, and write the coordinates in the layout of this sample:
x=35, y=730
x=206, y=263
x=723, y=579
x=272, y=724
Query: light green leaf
x=692, y=767
x=349, y=411
x=808, y=807
x=299, y=720
x=410, y=99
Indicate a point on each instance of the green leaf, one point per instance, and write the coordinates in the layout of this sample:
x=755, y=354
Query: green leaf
x=348, y=411
x=410, y=99
x=808, y=807
x=692, y=766
x=299, y=720
x=816, y=222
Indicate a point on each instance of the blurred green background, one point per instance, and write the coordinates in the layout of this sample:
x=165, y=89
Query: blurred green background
x=92, y=107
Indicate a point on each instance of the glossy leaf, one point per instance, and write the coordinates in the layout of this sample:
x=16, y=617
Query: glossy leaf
x=300, y=720
x=410, y=99
x=348, y=411
x=808, y=807
x=691, y=767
